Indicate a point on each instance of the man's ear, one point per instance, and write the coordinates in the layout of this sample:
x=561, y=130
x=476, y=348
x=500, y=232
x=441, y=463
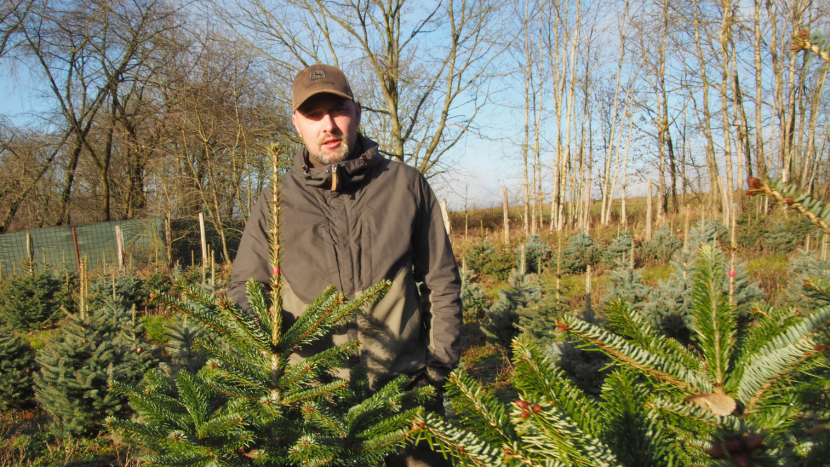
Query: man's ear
x=357, y=110
x=294, y=122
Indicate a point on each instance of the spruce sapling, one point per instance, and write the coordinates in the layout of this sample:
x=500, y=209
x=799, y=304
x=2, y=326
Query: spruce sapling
x=17, y=369
x=501, y=327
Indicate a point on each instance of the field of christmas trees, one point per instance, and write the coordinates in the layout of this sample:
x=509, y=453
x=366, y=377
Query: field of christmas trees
x=706, y=344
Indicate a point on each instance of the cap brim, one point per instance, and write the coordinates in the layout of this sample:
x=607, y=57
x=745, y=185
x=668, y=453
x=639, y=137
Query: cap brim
x=322, y=91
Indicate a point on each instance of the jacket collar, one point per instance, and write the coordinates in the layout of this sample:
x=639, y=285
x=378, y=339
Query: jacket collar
x=349, y=172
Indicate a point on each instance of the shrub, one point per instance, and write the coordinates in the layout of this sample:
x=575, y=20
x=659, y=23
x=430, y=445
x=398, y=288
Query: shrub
x=91, y=350
x=34, y=301
x=17, y=368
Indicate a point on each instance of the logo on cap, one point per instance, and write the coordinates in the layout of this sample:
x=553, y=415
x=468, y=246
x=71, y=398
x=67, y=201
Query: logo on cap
x=317, y=74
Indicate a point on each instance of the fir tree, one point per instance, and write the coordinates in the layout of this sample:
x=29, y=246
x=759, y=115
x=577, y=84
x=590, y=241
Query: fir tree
x=251, y=405
x=181, y=344
x=501, y=327
x=806, y=266
x=487, y=259
x=734, y=383
x=670, y=301
x=32, y=301
x=580, y=251
x=92, y=351
x=538, y=322
x=535, y=251
x=17, y=369
x=125, y=289
x=619, y=251
x=627, y=284
x=779, y=239
x=553, y=422
x=473, y=298
x=711, y=232
x=662, y=246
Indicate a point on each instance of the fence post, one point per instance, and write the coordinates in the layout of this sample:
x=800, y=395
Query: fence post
x=119, y=239
x=77, y=251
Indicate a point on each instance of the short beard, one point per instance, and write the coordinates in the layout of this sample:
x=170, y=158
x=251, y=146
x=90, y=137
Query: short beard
x=330, y=158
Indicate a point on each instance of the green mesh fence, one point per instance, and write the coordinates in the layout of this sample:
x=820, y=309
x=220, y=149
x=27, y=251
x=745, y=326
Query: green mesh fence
x=144, y=241
x=63, y=247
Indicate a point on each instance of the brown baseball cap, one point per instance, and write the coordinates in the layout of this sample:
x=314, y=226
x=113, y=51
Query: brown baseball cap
x=317, y=79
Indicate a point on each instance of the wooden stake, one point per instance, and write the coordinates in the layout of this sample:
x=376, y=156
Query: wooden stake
x=506, y=217
x=77, y=251
x=559, y=265
x=29, y=257
x=204, y=244
x=734, y=245
x=686, y=231
x=648, y=212
x=522, y=262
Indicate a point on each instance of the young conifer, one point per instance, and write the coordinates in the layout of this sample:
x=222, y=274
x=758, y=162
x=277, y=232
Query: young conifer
x=502, y=324
x=474, y=300
x=662, y=246
x=730, y=388
x=251, y=404
x=92, y=350
x=17, y=370
x=552, y=422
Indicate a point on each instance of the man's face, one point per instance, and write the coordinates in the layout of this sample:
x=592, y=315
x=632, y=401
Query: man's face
x=327, y=123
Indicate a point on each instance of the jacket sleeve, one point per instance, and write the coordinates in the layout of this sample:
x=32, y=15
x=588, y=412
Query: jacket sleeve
x=435, y=266
x=252, y=258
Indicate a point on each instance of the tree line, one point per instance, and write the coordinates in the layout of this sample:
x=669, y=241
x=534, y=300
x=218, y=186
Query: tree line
x=166, y=107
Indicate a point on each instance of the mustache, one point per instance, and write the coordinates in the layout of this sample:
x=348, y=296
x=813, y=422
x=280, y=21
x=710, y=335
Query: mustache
x=329, y=139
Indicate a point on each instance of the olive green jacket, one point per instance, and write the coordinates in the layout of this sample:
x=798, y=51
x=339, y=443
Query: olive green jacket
x=380, y=221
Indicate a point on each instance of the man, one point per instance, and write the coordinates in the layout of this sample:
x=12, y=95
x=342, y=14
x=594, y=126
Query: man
x=353, y=218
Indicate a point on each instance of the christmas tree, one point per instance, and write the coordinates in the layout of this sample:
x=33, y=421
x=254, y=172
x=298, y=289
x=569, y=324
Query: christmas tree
x=619, y=250
x=181, y=344
x=474, y=300
x=92, y=350
x=523, y=291
x=251, y=405
x=553, y=422
x=17, y=369
x=804, y=267
x=732, y=385
x=536, y=252
x=626, y=283
x=33, y=301
x=580, y=251
x=662, y=246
